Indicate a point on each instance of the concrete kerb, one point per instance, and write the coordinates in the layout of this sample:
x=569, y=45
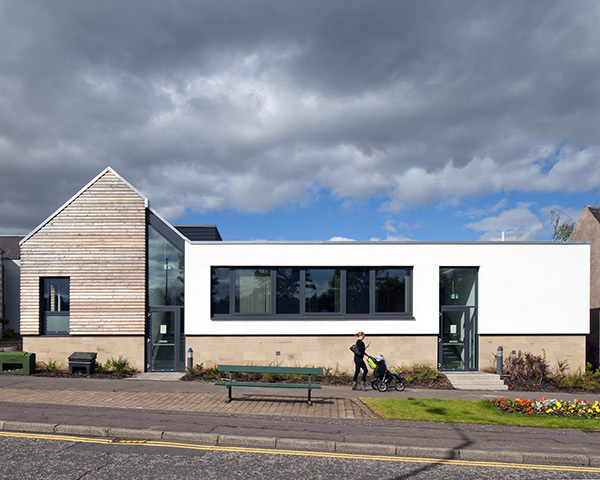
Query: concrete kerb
x=366, y=449
x=81, y=430
x=134, y=434
x=29, y=427
x=303, y=444
x=241, y=441
x=191, y=437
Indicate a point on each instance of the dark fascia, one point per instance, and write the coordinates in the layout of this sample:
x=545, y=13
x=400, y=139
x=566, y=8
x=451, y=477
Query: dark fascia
x=166, y=230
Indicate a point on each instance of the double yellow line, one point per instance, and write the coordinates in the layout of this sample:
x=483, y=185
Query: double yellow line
x=271, y=451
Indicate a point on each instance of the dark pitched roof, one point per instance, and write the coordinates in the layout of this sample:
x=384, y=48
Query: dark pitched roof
x=199, y=233
x=9, y=244
x=595, y=211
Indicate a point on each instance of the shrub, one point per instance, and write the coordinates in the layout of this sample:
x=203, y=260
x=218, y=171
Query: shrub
x=587, y=381
x=419, y=373
x=50, y=366
x=9, y=334
x=198, y=372
x=528, y=367
x=119, y=366
x=99, y=368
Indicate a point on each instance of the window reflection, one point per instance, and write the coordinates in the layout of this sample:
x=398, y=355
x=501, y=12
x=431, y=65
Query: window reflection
x=357, y=290
x=288, y=290
x=165, y=271
x=323, y=290
x=391, y=292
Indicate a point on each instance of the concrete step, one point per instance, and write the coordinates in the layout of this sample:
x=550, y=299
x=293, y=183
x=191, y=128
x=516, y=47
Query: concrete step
x=475, y=381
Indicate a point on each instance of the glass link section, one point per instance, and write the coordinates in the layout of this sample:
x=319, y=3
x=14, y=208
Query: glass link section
x=165, y=336
x=165, y=271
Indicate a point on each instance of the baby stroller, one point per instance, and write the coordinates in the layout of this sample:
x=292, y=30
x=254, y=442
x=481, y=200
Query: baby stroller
x=382, y=377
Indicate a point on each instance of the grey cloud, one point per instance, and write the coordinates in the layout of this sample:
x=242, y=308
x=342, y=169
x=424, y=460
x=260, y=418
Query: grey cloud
x=201, y=103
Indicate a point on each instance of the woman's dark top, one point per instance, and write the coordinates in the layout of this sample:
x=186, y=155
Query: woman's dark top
x=361, y=346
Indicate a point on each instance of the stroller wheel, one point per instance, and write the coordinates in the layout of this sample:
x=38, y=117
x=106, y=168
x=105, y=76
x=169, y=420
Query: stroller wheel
x=374, y=384
x=399, y=385
x=382, y=387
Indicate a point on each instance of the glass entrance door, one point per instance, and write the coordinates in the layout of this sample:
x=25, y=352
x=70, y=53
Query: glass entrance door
x=457, y=339
x=165, y=341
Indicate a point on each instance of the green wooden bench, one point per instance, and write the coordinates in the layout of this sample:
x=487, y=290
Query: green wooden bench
x=273, y=370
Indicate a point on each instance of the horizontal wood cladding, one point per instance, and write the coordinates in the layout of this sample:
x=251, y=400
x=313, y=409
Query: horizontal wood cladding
x=98, y=240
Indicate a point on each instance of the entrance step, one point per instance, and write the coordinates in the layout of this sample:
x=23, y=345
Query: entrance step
x=475, y=381
x=159, y=376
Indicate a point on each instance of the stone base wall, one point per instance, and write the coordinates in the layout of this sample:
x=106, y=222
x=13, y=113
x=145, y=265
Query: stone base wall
x=327, y=351
x=58, y=349
x=556, y=347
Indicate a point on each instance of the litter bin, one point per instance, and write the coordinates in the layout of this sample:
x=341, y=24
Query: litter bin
x=17, y=363
x=83, y=363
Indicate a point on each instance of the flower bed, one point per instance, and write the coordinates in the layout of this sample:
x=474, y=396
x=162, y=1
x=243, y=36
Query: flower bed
x=545, y=406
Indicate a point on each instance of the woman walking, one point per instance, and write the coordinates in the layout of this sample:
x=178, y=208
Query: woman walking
x=359, y=362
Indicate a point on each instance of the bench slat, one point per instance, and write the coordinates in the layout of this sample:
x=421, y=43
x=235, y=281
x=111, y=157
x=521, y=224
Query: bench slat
x=270, y=369
x=225, y=383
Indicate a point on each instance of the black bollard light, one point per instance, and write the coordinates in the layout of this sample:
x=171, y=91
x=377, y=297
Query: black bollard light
x=499, y=360
x=190, y=357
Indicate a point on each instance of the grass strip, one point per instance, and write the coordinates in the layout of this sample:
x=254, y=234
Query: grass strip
x=467, y=411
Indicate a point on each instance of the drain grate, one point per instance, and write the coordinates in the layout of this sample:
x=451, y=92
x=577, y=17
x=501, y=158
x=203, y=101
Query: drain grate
x=119, y=440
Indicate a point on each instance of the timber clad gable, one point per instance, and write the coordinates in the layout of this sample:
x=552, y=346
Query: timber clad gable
x=98, y=240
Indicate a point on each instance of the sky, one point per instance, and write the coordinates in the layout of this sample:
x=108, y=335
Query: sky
x=286, y=120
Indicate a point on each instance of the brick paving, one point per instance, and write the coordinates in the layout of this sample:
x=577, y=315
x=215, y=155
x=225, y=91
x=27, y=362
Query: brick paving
x=194, y=402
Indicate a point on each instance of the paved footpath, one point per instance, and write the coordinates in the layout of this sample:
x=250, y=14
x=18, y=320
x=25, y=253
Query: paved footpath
x=147, y=408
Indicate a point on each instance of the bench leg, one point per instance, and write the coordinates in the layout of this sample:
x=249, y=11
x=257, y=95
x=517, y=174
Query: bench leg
x=309, y=402
x=230, y=385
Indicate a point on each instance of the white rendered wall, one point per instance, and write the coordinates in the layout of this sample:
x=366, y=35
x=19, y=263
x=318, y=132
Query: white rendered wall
x=523, y=288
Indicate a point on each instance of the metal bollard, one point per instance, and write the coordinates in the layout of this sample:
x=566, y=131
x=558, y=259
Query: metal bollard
x=499, y=361
x=190, y=357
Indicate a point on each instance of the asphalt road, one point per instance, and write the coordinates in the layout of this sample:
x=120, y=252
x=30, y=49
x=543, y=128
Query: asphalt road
x=424, y=435
x=27, y=457
x=146, y=407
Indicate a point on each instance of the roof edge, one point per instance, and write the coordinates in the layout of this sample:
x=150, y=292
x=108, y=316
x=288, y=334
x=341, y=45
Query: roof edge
x=413, y=242
x=170, y=225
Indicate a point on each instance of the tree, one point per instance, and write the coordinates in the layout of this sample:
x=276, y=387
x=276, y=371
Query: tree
x=561, y=229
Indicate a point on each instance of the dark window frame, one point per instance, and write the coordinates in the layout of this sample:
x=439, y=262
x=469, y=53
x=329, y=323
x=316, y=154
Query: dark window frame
x=44, y=313
x=303, y=314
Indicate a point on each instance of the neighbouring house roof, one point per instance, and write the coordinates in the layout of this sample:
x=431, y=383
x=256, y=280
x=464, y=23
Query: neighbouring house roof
x=9, y=245
x=595, y=211
x=200, y=233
